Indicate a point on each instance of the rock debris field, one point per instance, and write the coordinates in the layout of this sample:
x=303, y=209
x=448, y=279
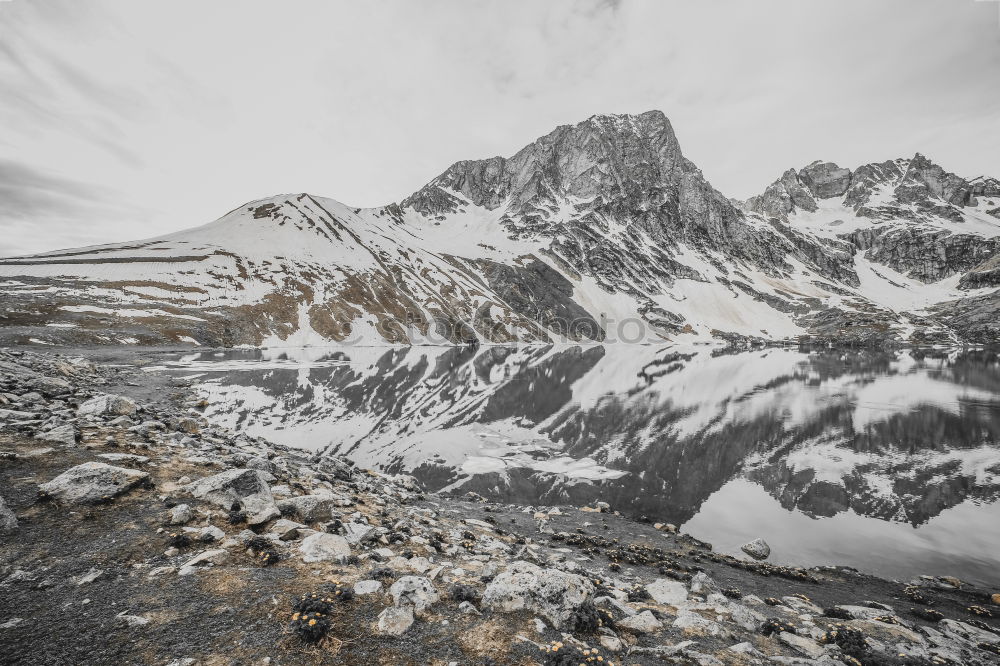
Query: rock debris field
x=133, y=531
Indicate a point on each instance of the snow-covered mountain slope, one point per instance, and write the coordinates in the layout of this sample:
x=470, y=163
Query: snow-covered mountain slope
x=599, y=231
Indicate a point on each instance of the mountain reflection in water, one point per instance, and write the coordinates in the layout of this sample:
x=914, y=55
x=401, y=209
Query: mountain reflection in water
x=887, y=461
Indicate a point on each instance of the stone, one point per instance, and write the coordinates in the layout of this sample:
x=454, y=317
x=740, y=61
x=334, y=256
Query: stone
x=286, y=529
x=757, y=549
x=205, y=559
x=89, y=577
x=551, y=593
x=64, y=434
x=670, y=592
x=8, y=521
x=323, y=547
x=310, y=508
x=394, y=621
x=469, y=608
x=357, y=533
x=92, y=482
x=132, y=620
x=693, y=624
x=702, y=583
x=210, y=534
x=415, y=591
x=801, y=644
x=116, y=405
x=995, y=598
x=50, y=386
x=188, y=425
x=365, y=587
x=243, y=489
x=611, y=643
x=641, y=623
x=745, y=617
x=180, y=514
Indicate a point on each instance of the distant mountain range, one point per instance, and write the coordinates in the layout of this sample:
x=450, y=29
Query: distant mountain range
x=599, y=231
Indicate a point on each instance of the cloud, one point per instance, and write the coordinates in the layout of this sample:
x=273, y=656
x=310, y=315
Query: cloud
x=180, y=111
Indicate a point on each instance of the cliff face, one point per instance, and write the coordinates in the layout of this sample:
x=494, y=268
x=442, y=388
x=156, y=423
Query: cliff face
x=590, y=232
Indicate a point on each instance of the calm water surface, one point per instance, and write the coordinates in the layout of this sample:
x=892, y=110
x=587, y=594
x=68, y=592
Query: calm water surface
x=889, y=462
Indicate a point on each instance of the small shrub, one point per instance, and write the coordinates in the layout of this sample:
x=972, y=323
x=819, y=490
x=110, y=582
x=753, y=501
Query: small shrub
x=460, y=593
x=179, y=540
x=837, y=613
x=559, y=654
x=774, y=625
x=928, y=614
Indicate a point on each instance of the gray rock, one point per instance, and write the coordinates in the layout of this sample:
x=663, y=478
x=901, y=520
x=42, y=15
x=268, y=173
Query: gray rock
x=394, y=621
x=205, y=559
x=50, y=386
x=287, y=530
x=64, y=434
x=551, y=593
x=92, y=482
x=180, y=514
x=116, y=405
x=702, y=583
x=356, y=533
x=669, y=592
x=641, y=623
x=801, y=644
x=8, y=521
x=246, y=489
x=415, y=591
x=310, y=508
x=323, y=547
x=365, y=587
x=757, y=549
x=694, y=624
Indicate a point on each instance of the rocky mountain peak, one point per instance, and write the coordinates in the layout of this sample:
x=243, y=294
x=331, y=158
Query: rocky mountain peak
x=906, y=186
x=604, y=156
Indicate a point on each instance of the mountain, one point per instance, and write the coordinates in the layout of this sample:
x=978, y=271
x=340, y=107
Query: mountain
x=599, y=231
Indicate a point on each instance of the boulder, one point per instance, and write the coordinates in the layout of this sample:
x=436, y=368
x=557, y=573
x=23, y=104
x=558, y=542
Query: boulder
x=50, y=386
x=671, y=592
x=310, y=508
x=286, y=530
x=641, y=623
x=8, y=521
x=693, y=624
x=207, y=558
x=180, y=514
x=358, y=532
x=92, y=482
x=243, y=489
x=323, y=547
x=757, y=549
x=415, y=591
x=551, y=593
x=117, y=405
x=394, y=621
x=63, y=434
x=365, y=587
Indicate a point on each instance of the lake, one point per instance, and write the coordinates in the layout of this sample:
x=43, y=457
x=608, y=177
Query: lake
x=885, y=461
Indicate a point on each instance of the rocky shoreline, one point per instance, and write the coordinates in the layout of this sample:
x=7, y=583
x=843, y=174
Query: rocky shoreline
x=133, y=531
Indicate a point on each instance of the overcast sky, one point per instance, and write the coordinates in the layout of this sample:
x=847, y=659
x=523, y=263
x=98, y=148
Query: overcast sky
x=124, y=120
